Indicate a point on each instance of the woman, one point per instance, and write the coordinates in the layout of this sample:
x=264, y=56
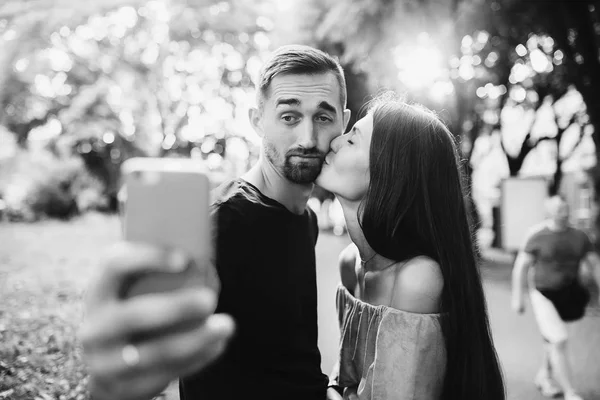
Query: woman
x=413, y=316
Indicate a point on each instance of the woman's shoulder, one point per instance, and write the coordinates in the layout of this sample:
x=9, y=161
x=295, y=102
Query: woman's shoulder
x=418, y=285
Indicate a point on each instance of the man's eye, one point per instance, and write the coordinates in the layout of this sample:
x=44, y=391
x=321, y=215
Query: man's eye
x=324, y=118
x=350, y=141
x=289, y=118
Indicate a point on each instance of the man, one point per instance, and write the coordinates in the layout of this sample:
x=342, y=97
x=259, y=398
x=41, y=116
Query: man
x=555, y=250
x=264, y=257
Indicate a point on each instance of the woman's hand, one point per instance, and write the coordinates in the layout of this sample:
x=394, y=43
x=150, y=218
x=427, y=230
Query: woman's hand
x=350, y=393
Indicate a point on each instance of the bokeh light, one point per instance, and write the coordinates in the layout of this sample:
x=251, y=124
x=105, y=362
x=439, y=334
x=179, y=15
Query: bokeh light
x=419, y=64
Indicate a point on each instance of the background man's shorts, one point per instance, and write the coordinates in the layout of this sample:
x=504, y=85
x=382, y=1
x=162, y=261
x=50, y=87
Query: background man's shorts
x=553, y=308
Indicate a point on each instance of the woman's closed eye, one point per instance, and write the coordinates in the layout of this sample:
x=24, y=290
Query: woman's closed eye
x=350, y=136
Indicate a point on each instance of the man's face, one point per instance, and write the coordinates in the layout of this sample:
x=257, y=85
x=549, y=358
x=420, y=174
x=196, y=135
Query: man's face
x=300, y=117
x=558, y=210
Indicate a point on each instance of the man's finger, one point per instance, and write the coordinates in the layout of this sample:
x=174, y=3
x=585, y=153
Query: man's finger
x=115, y=387
x=148, y=315
x=124, y=261
x=171, y=355
x=222, y=327
x=184, y=353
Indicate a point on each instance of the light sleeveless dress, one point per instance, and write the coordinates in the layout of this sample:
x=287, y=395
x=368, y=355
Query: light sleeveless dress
x=387, y=353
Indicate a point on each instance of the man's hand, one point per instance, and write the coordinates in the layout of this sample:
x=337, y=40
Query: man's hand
x=350, y=393
x=135, y=347
x=518, y=305
x=332, y=394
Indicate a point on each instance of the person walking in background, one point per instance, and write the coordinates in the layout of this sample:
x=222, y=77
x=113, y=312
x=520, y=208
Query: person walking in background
x=550, y=264
x=265, y=260
x=412, y=310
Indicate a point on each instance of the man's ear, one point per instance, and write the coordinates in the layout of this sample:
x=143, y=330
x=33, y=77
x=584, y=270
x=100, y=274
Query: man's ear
x=347, y=115
x=255, y=116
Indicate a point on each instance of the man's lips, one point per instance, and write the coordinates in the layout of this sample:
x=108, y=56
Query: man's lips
x=308, y=156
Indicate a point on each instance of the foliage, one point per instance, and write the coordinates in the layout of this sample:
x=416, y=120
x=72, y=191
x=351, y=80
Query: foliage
x=126, y=78
x=535, y=59
x=42, y=185
x=472, y=59
x=40, y=359
x=44, y=270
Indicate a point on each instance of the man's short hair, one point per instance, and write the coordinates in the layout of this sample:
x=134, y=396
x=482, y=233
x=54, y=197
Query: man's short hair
x=298, y=60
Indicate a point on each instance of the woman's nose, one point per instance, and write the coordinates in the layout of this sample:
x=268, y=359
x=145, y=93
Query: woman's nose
x=336, y=144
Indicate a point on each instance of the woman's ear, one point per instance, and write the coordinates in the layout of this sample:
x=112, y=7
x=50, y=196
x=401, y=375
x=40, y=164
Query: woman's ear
x=255, y=116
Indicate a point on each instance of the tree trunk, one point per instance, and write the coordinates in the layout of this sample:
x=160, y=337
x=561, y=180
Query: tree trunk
x=578, y=17
x=558, y=174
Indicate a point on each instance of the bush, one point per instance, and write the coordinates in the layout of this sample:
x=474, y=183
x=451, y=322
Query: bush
x=46, y=186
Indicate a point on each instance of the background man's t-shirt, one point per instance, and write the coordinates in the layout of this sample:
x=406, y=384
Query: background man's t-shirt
x=558, y=255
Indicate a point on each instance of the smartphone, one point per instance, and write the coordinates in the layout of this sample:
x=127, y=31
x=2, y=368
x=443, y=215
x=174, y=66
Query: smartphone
x=165, y=202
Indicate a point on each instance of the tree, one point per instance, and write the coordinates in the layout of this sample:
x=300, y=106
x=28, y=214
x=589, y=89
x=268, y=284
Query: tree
x=131, y=77
x=496, y=55
x=535, y=29
x=366, y=37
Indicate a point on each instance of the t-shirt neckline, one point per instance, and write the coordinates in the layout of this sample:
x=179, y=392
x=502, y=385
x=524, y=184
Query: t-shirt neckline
x=270, y=200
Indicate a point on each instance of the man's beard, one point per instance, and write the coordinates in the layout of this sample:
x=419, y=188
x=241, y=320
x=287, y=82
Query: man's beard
x=299, y=172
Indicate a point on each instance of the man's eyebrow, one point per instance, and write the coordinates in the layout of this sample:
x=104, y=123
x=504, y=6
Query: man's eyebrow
x=328, y=107
x=287, y=102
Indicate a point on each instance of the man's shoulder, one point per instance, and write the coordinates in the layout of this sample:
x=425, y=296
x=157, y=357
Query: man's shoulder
x=535, y=237
x=312, y=215
x=230, y=201
x=228, y=192
x=537, y=231
x=235, y=194
x=580, y=234
x=577, y=231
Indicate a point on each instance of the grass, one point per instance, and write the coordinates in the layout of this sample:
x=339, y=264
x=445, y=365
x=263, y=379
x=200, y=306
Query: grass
x=44, y=270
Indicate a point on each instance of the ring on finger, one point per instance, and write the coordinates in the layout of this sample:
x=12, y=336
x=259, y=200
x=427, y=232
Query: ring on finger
x=130, y=355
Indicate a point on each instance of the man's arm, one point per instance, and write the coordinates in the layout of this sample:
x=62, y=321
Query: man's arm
x=592, y=261
x=519, y=276
x=347, y=265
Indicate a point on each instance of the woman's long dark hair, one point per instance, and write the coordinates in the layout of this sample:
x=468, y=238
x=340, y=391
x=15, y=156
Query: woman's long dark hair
x=415, y=205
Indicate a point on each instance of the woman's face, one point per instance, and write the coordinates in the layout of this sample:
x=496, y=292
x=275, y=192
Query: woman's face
x=345, y=172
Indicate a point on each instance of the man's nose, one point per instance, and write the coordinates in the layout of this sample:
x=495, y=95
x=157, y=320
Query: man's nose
x=308, y=135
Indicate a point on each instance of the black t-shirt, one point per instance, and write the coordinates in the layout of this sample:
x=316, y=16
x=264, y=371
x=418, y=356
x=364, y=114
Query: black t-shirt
x=265, y=258
x=557, y=255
